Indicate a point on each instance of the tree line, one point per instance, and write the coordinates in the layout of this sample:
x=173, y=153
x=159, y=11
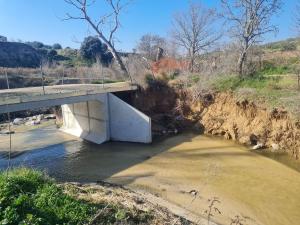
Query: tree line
x=194, y=31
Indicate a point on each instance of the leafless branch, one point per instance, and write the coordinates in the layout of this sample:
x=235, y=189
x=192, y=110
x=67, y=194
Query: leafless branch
x=249, y=21
x=193, y=30
x=111, y=18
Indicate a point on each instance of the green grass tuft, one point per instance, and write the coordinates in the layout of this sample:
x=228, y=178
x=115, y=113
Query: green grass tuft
x=30, y=197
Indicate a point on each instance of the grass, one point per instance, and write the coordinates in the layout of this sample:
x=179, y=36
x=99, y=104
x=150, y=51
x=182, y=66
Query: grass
x=270, y=69
x=275, y=91
x=106, y=81
x=29, y=197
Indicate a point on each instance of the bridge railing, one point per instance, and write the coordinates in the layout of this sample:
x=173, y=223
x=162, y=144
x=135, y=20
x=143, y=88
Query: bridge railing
x=20, y=77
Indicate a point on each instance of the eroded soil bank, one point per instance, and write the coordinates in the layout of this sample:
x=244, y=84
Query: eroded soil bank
x=173, y=108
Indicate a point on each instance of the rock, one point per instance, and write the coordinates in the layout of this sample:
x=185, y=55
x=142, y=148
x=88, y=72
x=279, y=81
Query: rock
x=30, y=123
x=37, y=122
x=258, y=146
x=40, y=117
x=175, y=131
x=50, y=117
x=179, y=118
x=7, y=132
x=275, y=147
x=245, y=140
x=18, y=121
x=199, y=128
x=227, y=136
x=253, y=139
x=33, y=122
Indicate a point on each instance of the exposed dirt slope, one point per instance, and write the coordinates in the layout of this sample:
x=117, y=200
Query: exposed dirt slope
x=220, y=114
x=247, y=123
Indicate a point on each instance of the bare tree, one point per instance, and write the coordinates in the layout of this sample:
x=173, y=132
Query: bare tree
x=112, y=19
x=250, y=21
x=149, y=45
x=194, y=30
x=297, y=17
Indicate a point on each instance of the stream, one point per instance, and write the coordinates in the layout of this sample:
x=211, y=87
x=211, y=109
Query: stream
x=189, y=170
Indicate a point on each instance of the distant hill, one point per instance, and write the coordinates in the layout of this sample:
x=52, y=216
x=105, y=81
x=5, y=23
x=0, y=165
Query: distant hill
x=290, y=44
x=13, y=54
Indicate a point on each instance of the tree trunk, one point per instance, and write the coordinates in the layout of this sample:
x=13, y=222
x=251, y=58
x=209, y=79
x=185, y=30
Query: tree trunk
x=192, y=62
x=111, y=48
x=241, y=63
x=117, y=58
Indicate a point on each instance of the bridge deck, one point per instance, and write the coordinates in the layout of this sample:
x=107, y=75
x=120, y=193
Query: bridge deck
x=34, y=94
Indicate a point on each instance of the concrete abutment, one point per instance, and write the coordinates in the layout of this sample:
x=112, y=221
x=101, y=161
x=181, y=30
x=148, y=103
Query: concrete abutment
x=106, y=118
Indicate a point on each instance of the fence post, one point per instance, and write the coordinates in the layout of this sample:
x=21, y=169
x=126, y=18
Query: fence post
x=298, y=76
x=63, y=75
x=9, y=130
x=41, y=68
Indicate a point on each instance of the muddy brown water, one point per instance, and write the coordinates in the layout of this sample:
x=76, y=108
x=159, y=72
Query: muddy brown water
x=188, y=170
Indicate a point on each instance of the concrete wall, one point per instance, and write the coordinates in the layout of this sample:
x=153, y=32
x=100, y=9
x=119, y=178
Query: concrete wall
x=104, y=119
x=87, y=120
x=127, y=123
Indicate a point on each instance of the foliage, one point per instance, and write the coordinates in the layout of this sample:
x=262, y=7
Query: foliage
x=271, y=69
x=35, y=44
x=92, y=47
x=56, y=46
x=29, y=197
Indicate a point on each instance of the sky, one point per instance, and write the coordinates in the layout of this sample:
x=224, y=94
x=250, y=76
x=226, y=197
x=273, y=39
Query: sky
x=41, y=20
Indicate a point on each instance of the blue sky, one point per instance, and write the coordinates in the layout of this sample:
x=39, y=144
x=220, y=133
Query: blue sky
x=40, y=20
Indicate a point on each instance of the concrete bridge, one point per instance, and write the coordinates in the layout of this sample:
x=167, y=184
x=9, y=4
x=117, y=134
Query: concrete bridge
x=90, y=111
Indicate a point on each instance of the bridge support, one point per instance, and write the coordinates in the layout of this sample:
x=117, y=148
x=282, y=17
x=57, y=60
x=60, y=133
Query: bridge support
x=106, y=118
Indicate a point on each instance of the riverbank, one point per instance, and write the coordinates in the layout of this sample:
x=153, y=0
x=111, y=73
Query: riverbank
x=248, y=123
x=234, y=117
x=31, y=197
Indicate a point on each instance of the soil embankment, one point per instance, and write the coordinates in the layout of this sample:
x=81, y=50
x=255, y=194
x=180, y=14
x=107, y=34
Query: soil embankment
x=221, y=114
x=250, y=124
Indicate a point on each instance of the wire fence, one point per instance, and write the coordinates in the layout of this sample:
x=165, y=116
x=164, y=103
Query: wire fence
x=20, y=77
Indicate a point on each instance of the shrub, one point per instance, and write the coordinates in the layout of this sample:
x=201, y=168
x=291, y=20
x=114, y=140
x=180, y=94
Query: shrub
x=270, y=69
x=288, y=46
x=92, y=47
x=56, y=46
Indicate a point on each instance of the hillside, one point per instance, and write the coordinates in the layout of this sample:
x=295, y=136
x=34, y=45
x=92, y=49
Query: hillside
x=13, y=54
